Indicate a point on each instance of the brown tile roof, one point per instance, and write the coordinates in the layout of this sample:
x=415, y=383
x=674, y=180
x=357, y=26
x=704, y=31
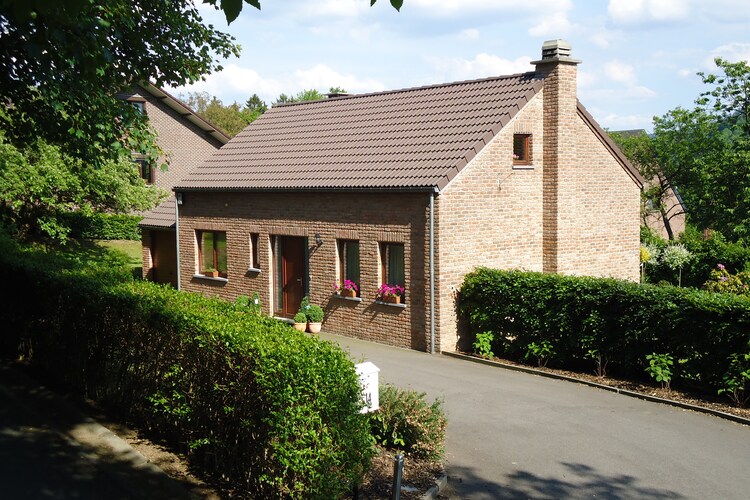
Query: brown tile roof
x=417, y=138
x=161, y=217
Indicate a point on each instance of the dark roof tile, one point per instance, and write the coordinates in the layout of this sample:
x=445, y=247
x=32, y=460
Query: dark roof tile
x=410, y=138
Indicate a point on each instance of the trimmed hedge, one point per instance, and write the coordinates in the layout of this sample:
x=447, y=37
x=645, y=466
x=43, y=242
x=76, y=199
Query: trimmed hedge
x=102, y=226
x=582, y=318
x=270, y=410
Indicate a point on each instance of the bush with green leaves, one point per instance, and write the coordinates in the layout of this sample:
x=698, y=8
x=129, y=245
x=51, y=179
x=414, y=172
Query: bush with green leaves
x=542, y=351
x=483, y=344
x=660, y=368
x=271, y=410
x=736, y=380
x=406, y=421
x=103, y=226
x=722, y=281
x=315, y=314
x=616, y=322
x=300, y=317
x=707, y=251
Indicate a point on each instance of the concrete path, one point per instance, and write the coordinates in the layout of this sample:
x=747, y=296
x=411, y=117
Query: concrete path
x=515, y=435
x=49, y=450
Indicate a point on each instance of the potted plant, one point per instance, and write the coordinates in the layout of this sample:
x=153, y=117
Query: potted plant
x=390, y=293
x=212, y=272
x=300, y=321
x=348, y=289
x=314, y=318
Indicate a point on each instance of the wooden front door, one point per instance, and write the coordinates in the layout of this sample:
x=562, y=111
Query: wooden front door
x=292, y=273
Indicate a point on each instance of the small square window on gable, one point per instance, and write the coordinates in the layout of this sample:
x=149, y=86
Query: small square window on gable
x=522, y=149
x=138, y=103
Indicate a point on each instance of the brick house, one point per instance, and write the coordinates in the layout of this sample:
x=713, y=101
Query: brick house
x=412, y=187
x=187, y=140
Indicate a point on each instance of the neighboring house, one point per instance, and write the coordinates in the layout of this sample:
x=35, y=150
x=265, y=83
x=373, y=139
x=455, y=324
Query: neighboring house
x=670, y=217
x=187, y=140
x=412, y=187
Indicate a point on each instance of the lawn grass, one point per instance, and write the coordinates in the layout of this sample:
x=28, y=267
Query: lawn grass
x=131, y=248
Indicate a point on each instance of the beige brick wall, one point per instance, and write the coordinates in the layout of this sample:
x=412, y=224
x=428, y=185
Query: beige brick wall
x=369, y=218
x=185, y=145
x=503, y=217
x=490, y=215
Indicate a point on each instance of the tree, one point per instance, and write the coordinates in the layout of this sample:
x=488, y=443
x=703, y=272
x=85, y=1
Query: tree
x=658, y=195
x=308, y=95
x=40, y=183
x=705, y=151
x=231, y=118
x=232, y=8
x=63, y=62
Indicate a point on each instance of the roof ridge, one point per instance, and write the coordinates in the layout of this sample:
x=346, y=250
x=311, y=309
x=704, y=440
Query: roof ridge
x=531, y=75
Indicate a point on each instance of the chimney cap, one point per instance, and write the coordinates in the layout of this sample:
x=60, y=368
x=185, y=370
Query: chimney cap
x=556, y=51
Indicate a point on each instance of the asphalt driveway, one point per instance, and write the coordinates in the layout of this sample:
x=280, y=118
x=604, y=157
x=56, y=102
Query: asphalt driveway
x=516, y=435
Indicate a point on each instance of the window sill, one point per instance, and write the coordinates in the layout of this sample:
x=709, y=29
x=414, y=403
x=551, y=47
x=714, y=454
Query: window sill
x=523, y=166
x=390, y=304
x=255, y=270
x=210, y=278
x=353, y=299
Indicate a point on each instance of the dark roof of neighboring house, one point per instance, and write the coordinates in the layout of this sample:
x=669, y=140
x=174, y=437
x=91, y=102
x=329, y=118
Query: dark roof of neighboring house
x=186, y=112
x=161, y=217
x=414, y=139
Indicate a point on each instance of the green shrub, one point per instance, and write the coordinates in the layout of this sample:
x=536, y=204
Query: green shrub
x=315, y=314
x=483, y=344
x=660, y=368
x=406, y=421
x=103, y=226
x=272, y=411
x=300, y=317
x=615, y=322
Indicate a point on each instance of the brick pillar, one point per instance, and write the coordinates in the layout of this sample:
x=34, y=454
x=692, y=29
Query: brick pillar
x=560, y=112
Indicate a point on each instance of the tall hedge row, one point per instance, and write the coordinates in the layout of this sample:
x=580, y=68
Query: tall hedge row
x=102, y=226
x=581, y=317
x=273, y=411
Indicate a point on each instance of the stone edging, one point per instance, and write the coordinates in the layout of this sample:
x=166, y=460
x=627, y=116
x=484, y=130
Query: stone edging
x=632, y=394
x=440, y=485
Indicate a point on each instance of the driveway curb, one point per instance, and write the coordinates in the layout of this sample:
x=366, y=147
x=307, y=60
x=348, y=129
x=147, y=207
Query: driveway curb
x=632, y=394
x=440, y=485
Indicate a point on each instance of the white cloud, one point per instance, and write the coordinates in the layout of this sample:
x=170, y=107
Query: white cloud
x=483, y=65
x=235, y=83
x=614, y=121
x=647, y=11
x=586, y=79
x=322, y=77
x=734, y=52
x=555, y=24
x=469, y=34
x=639, y=92
x=335, y=8
x=620, y=72
x=444, y=8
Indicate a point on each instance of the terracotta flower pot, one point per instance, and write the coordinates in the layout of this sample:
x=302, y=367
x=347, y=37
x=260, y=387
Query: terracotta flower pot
x=212, y=274
x=348, y=293
x=392, y=299
x=314, y=327
x=300, y=326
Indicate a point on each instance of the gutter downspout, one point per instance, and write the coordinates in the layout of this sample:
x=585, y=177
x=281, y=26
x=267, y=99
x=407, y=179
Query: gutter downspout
x=177, y=200
x=432, y=272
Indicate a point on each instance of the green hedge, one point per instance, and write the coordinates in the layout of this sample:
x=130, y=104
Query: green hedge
x=580, y=318
x=101, y=226
x=269, y=409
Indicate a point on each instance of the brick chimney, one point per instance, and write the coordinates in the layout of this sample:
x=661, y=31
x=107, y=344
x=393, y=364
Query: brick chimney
x=559, y=72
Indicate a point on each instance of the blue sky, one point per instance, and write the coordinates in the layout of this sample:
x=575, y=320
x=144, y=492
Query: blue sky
x=640, y=57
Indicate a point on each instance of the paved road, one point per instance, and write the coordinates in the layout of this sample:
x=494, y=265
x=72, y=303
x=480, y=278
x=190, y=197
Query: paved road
x=515, y=435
